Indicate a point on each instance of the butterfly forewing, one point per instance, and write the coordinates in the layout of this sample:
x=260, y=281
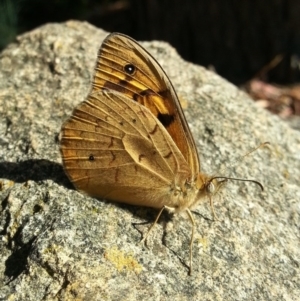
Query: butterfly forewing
x=126, y=67
x=115, y=148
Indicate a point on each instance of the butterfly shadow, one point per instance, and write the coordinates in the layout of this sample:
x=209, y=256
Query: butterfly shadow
x=144, y=227
x=35, y=170
x=20, y=172
x=149, y=215
x=42, y=169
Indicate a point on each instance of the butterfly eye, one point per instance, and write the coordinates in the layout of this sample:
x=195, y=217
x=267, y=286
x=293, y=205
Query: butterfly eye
x=129, y=69
x=210, y=187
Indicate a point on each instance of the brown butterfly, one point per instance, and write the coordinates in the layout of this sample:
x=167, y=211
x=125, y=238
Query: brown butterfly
x=129, y=140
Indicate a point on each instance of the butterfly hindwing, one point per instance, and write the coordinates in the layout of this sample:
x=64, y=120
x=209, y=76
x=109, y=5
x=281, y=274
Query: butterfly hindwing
x=106, y=148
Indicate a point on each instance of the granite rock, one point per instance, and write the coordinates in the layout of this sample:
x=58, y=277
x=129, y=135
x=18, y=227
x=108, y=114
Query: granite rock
x=58, y=244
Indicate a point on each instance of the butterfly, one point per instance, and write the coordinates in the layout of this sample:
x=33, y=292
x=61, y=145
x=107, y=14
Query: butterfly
x=129, y=140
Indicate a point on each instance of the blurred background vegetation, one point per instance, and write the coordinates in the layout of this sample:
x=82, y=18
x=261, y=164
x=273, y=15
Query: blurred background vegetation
x=240, y=40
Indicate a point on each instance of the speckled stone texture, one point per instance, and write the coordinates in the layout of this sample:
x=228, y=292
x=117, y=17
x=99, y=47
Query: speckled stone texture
x=58, y=244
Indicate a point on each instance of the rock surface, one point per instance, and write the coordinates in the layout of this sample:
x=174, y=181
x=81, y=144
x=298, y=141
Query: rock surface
x=58, y=244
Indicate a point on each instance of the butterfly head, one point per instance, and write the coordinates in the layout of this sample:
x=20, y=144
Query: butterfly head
x=213, y=185
x=210, y=186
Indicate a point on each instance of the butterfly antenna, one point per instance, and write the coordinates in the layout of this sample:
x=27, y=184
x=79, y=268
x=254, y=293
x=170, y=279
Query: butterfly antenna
x=242, y=157
x=242, y=180
x=255, y=149
x=224, y=180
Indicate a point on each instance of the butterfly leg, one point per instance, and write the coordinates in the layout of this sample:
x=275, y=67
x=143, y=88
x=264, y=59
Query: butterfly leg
x=156, y=220
x=192, y=238
x=158, y=216
x=213, y=208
